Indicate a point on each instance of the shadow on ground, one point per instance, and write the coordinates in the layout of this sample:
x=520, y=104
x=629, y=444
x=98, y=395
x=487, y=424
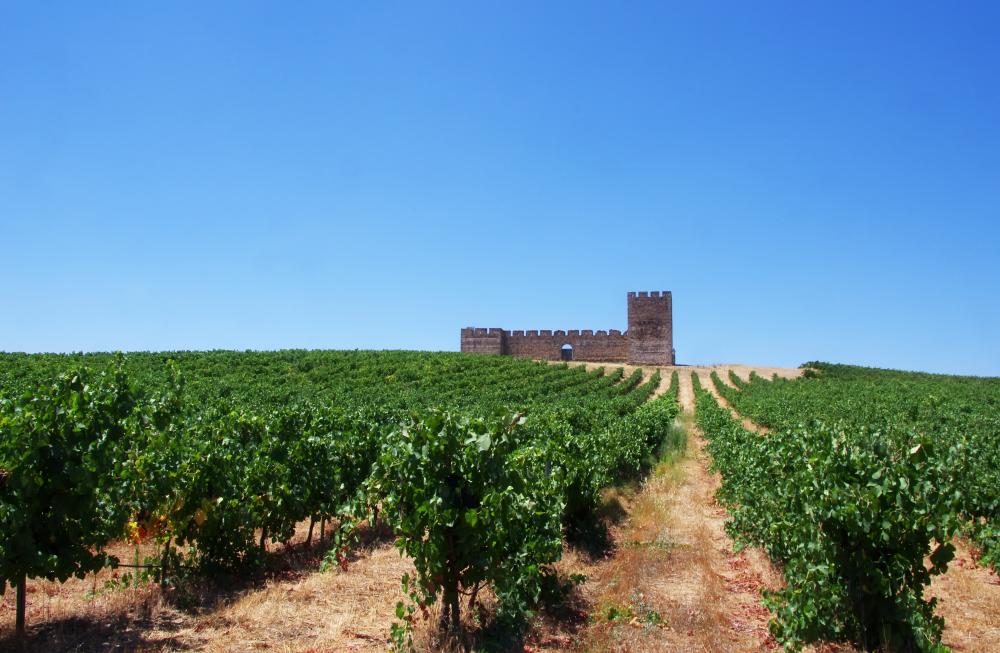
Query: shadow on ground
x=148, y=623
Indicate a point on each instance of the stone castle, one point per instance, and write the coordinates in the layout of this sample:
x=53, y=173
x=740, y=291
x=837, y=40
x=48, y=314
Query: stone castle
x=649, y=339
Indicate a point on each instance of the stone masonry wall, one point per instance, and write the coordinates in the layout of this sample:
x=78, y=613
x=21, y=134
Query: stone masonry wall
x=648, y=341
x=482, y=341
x=587, y=345
x=650, y=328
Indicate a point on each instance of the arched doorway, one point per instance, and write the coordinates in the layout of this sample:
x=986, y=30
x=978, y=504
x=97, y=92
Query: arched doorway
x=566, y=353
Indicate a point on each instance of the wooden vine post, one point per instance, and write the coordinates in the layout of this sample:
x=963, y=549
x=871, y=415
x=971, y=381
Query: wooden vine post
x=21, y=583
x=21, y=601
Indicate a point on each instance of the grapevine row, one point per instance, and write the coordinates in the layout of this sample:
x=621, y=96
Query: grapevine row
x=90, y=458
x=851, y=512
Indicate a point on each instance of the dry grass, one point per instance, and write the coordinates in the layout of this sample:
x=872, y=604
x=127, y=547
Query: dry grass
x=335, y=611
x=672, y=559
x=969, y=600
x=291, y=607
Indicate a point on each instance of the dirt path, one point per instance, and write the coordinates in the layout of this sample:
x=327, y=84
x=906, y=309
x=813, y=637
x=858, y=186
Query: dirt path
x=675, y=563
x=681, y=563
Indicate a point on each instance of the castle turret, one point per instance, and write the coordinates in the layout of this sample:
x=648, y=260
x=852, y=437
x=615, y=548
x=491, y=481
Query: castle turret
x=650, y=328
x=482, y=341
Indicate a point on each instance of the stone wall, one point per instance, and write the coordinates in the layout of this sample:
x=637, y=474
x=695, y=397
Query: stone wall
x=482, y=341
x=649, y=339
x=650, y=328
x=587, y=345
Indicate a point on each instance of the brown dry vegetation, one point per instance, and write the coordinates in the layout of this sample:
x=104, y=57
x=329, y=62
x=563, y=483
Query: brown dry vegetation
x=969, y=600
x=290, y=607
x=673, y=559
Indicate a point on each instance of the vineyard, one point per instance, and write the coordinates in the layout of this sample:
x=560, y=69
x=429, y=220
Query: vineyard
x=190, y=469
x=478, y=466
x=957, y=413
x=858, y=490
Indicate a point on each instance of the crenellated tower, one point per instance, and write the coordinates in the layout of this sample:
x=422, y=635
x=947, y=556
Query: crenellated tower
x=650, y=328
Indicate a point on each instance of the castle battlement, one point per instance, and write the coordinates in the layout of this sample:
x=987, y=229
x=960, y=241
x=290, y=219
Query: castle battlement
x=647, y=341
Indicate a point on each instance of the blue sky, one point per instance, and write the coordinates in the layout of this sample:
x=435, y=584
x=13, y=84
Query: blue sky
x=811, y=182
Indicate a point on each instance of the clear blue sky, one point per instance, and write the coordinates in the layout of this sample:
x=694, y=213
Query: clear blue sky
x=811, y=182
